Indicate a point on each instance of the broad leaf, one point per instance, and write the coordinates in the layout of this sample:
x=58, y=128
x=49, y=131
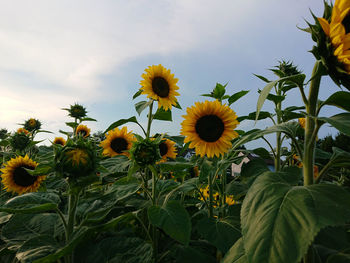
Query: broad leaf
x=173, y=219
x=339, y=99
x=221, y=233
x=31, y=203
x=164, y=115
x=340, y=121
x=120, y=122
x=280, y=219
x=236, y=253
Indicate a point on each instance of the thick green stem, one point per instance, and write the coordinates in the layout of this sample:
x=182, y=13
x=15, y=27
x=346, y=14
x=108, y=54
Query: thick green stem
x=149, y=120
x=210, y=186
x=309, y=143
x=154, y=202
x=72, y=206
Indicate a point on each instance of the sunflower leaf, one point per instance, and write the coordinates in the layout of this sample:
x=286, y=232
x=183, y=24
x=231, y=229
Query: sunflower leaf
x=138, y=93
x=237, y=96
x=236, y=254
x=339, y=99
x=140, y=106
x=87, y=119
x=276, y=208
x=340, y=121
x=173, y=219
x=164, y=115
x=121, y=122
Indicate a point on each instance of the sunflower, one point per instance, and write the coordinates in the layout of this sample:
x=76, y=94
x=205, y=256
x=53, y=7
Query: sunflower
x=117, y=142
x=22, y=130
x=167, y=150
x=338, y=30
x=59, y=140
x=16, y=178
x=159, y=84
x=209, y=126
x=83, y=131
x=32, y=124
x=302, y=122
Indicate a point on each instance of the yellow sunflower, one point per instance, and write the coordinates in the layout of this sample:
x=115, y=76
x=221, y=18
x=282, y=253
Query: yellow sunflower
x=302, y=122
x=83, y=130
x=16, y=179
x=59, y=140
x=338, y=30
x=167, y=150
x=209, y=126
x=77, y=157
x=22, y=130
x=117, y=142
x=159, y=84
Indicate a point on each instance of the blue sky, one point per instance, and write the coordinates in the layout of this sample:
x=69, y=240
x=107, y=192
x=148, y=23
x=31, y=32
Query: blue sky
x=55, y=53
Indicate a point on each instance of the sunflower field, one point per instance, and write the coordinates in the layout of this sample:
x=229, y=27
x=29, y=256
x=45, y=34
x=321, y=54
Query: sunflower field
x=201, y=196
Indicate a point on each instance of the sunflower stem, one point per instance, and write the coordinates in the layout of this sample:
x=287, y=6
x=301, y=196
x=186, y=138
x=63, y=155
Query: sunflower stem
x=210, y=186
x=72, y=206
x=149, y=120
x=309, y=143
x=154, y=202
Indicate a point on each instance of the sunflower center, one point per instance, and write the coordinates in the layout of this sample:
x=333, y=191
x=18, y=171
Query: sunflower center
x=119, y=145
x=163, y=148
x=22, y=178
x=346, y=23
x=210, y=128
x=160, y=87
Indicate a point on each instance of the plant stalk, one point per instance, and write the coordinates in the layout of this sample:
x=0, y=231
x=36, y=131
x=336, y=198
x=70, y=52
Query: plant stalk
x=149, y=120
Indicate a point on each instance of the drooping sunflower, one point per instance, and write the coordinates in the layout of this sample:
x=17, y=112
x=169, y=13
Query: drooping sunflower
x=209, y=126
x=22, y=130
x=59, y=140
x=117, y=142
x=167, y=150
x=16, y=179
x=83, y=131
x=159, y=84
x=332, y=36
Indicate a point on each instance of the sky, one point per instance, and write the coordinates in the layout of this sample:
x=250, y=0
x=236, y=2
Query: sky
x=57, y=53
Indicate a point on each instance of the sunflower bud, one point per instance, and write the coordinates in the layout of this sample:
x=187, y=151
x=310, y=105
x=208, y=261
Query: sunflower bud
x=75, y=158
x=77, y=111
x=32, y=124
x=19, y=141
x=145, y=152
x=331, y=34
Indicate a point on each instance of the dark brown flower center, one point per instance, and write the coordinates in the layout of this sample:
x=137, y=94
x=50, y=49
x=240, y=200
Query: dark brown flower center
x=119, y=145
x=163, y=148
x=346, y=23
x=22, y=178
x=160, y=87
x=210, y=128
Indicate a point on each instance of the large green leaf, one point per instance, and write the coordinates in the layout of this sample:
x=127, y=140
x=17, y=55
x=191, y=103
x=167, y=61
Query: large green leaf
x=236, y=253
x=121, y=122
x=339, y=99
x=163, y=115
x=22, y=227
x=118, y=248
x=124, y=187
x=297, y=79
x=192, y=254
x=173, y=219
x=280, y=219
x=221, y=233
x=31, y=203
x=37, y=247
x=340, y=121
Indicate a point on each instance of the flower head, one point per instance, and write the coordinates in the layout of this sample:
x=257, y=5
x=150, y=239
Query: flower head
x=19, y=140
x=145, y=152
x=59, y=141
x=32, y=124
x=117, y=142
x=77, y=111
x=167, y=149
x=332, y=34
x=17, y=179
x=159, y=84
x=83, y=130
x=209, y=126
